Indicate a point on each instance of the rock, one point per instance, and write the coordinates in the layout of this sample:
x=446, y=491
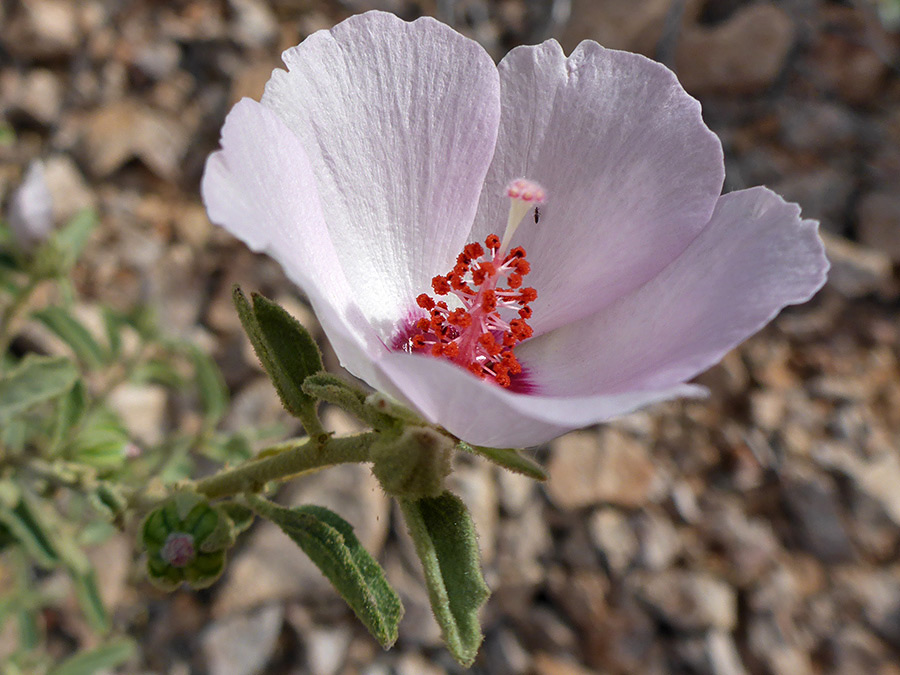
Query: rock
x=142, y=409
x=812, y=502
x=856, y=271
x=37, y=95
x=589, y=468
x=544, y=664
x=475, y=485
x=326, y=649
x=743, y=55
x=255, y=26
x=722, y=654
x=817, y=126
x=503, y=653
x=414, y=664
x=823, y=193
x=659, y=540
x=243, y=644
x=614, y=537
x=516, y=491
x=43, y=29
x=126, y=130
x=272, y=567
x=878, y=222
x=68, y=187
x=634, y=26
x=689, y=601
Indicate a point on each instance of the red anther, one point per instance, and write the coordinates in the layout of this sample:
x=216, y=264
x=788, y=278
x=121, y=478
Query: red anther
x=526, y=312
x=509, y=340
x=451, y=349
x=511, y=362
x=520, y=329
x=527, y=295
x=437, y=349
x=479, y=274
x=424, y=301
x=492, y=242
x=475, y=368
x=489, y=301
x=456, y=281
x=503, y=379
x=473, y=250
x=459, y=317
x=423, y=324
x=517, y=252
x=442, y=304
x=514, y=280
x=418, y=341
x=489, y=343
x=440, y=285
x=523, y=267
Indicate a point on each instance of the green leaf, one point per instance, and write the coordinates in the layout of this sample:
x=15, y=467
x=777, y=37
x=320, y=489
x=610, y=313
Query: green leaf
x=446, y=543
x=509, y=458
x=330, y=543
x=285, y=348
x=69, y=412
x=71, y=239
x=71, y=331
x=105, y=657
x=35, y=380
x=210, y=385
x=88, y=596
x=30, y=531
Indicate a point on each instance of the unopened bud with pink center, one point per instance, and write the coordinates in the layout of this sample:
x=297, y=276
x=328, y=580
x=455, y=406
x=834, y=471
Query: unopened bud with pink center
x=524, y=195
x=179, y=550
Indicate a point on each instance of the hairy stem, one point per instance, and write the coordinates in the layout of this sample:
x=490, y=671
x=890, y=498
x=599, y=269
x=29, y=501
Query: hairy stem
x=288, y=460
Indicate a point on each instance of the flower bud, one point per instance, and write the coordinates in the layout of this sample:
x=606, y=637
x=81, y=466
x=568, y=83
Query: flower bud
x=186, y=539
x=414, y=464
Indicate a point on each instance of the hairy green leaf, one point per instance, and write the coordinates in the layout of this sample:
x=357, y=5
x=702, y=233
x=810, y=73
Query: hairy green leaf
x=211, y=385
x=330, y=543
x=285, y=349
x=446, y=543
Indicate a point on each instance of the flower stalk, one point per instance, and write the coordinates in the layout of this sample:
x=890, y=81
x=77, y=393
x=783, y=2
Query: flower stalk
x=286, y=461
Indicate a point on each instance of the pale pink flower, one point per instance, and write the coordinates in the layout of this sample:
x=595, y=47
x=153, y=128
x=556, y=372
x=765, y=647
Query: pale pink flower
x=31, y=208
x=388, y=146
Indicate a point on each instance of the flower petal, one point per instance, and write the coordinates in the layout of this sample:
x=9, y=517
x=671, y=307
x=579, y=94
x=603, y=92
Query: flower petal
x=631, y=172
x=755, y=257
x=261, y=188
x=485, y=414
x=399, y=121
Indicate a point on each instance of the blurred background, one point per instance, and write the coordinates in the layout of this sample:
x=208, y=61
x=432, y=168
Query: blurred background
x=757, y=532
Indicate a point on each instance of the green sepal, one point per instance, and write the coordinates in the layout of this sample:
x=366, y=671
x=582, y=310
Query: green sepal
x=508, y=458
x=34, y=380
x=329, y=542
x=240, y=516
x=104, y=658
x=446, y=543
x=414, y=464
x=286, y=350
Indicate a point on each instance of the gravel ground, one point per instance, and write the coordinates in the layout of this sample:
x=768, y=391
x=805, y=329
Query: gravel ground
x=756, y=532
